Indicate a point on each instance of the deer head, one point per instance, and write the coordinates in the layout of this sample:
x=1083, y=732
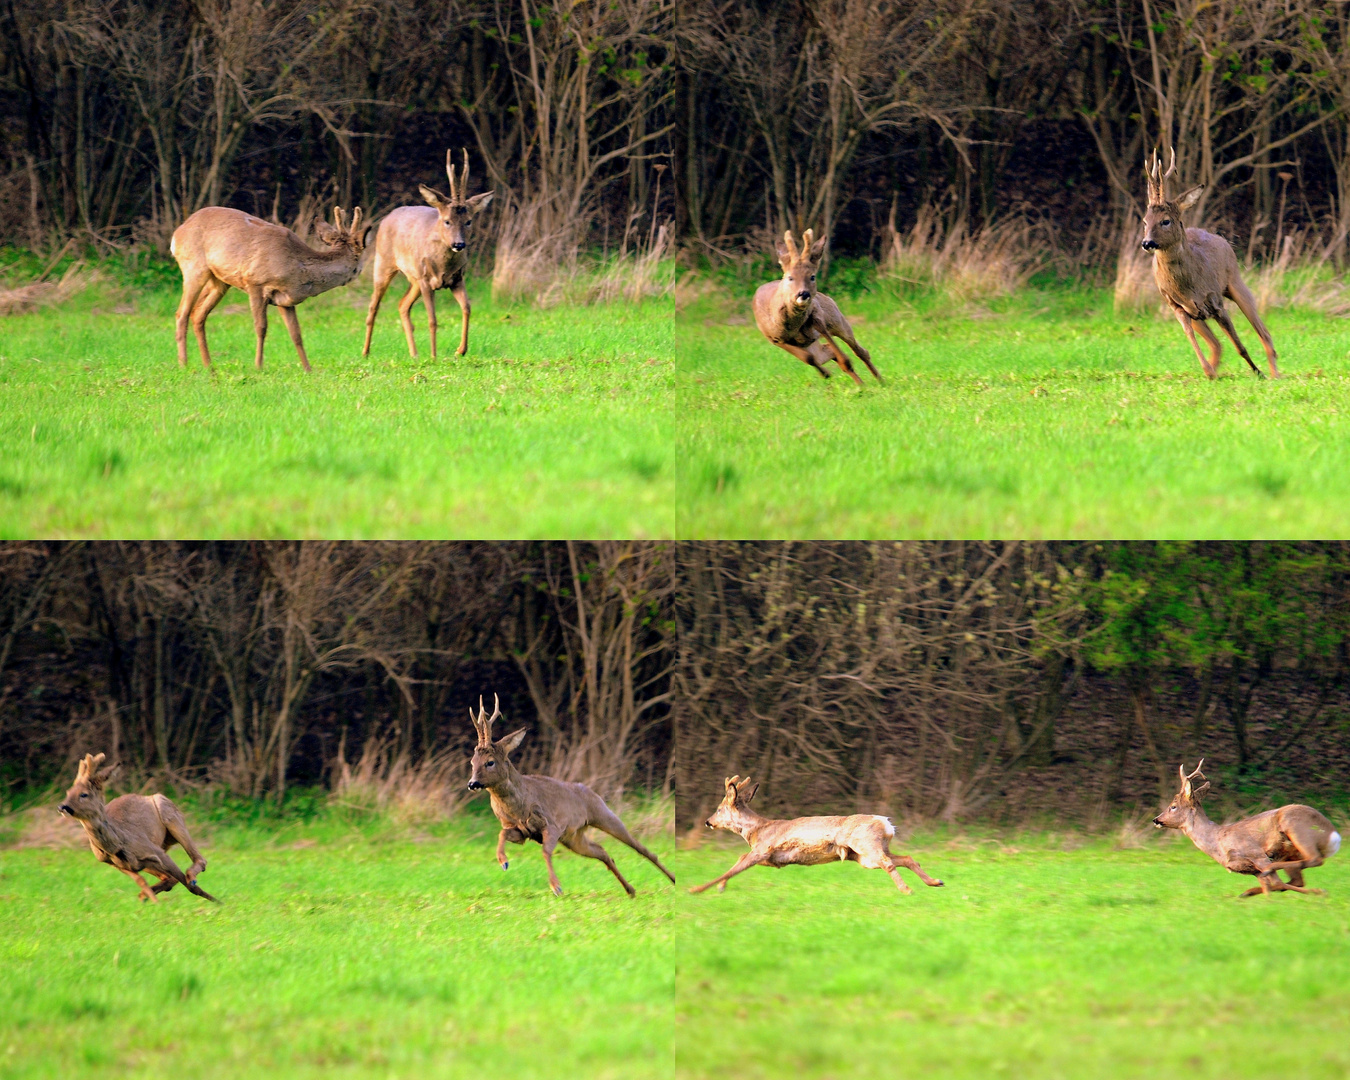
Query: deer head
x=457, y=212
x=1163, y=227
x=84, y=800
x=731, y=812
x=799, y=268
x=342, y=234
x=490, y=765
x=1186, y=803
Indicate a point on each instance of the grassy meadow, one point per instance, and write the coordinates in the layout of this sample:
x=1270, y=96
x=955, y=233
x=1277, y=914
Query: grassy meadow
x=1039, y=958
x=556, y=424
x=339, y=950
x=1043, y=414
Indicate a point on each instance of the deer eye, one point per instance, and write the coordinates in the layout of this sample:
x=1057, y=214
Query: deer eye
x=491, y=764
x=84, y=794
x=1167, y=221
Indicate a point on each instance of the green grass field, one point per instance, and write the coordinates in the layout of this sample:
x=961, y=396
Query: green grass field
x=1033, y=961
x=557, y=423
x=335, y=952
x=1044, y=415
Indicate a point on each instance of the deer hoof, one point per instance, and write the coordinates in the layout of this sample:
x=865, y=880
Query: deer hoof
x=557, y=890
x=506, y=865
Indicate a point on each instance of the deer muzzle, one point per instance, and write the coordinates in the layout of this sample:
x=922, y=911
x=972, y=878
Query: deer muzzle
x=1149, y=245
x=65, y=808
x=474, y=785
x=803, y=296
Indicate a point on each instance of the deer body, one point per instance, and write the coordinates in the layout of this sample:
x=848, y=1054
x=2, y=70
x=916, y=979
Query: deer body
x=133, y=832
x=807, y=841
x=218, y=248
x=1292, y=838
x=800, y=320
x=1195, y=270
x=428, y=246
x=543, y=809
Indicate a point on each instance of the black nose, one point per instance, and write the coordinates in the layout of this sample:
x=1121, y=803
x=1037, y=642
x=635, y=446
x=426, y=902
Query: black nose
x=474, y=785
x=64, y=808
x=803, y=295
x=1149, y=245
x=459, y=246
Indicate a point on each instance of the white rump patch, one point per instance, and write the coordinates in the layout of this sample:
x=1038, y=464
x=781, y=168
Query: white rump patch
x=172, y=240
x=890, y=829
x=1335, y=843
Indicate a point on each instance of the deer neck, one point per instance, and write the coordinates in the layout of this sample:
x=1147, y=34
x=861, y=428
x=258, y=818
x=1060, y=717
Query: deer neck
x=747, y=824
x=324, y=270
x=791, y=317
x=1204, y=833
x=103, y=834
x=506, y=788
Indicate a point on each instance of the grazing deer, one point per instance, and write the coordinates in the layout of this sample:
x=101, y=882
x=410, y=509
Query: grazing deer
x=807, y=841
x=796, y=318
x=426, y=244
x=543, y=809
x=1293, y=838
x=218, y=247
x=133, y=831
x=1195, y=270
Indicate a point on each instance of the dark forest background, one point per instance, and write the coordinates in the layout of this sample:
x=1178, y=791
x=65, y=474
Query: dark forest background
x=953, y=681
x=853, y=116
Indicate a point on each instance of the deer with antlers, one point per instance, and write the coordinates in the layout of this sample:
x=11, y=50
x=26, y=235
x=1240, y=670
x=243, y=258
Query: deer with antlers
x=543, y=809
x=1293, y=838
x=427, y=245
x=799, y=320
x=133, y=832
x=1195, y=270
x=217, y=248
x=807, y=841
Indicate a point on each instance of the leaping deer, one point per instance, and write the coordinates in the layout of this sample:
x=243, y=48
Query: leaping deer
x=133, y=832
x=807, y=841
x=543, y=809
x=1195, y=270
x=799, y=320
x=427, y=245
x=217, y=248
x=1293, y=838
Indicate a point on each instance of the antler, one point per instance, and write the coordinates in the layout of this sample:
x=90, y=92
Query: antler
x=356, y=221
x=458, y=192
x=808, y=238
x=450, y=171
x=1156, y=177
x=482, y=722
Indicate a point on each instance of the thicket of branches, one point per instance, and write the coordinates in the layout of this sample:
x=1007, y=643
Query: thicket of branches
x=837, y=113
x=121, y=117
x=258, y=665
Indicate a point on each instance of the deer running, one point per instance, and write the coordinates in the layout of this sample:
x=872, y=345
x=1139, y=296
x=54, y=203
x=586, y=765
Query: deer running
x=808, y=841
x=543, y=809
x=1195, y=270
x=799, y=320
x=218, y=247
x=133, y=832
x=1293, y=838
x=427, y=245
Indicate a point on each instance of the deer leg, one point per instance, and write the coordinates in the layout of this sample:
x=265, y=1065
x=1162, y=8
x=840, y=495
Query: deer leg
x=909, y=864
x=512, y=836
x=805, y=356
x=209, y=297
x=293, y=325
x=847, y=334
x=749, y=859
x=159, y=863
x=147, y=894
x=177, y=829
x=404, y=307
x=258, y=305
x=1215, y=349
x=841, y=358
x=376, y=295
x=609, y=822
x=550, y=842
x=1246, y=302
x=192, y=287
x=1210, y=366
x=584, y=845
x=1226, y=321
x=429, y=302
x=460, y=293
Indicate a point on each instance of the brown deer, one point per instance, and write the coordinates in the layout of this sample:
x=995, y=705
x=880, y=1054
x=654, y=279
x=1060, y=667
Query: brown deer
x=133, y=831
x=860, y=838
x=218, y=247
x=1195, y=270
x=427, y=245
x=543, y=809
x=799, y=320
x=1293, y=838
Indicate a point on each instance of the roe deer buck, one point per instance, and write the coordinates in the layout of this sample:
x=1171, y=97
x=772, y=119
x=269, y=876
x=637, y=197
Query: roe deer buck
x=133, y=831
x=541, y=808
x=796, y=318
x=1195, y=270
x=426, y=244
x=860, y=838
x=218, y=247
x=1293, y=838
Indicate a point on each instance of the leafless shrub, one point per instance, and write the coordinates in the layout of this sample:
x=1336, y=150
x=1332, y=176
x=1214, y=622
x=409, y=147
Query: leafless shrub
x=387, y=780
x=38, y=294
x=996, y=260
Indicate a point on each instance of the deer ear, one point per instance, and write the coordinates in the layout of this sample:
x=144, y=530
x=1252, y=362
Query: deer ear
x=432, y=196
x=752, y=794
x=784, y=259
x=818, y=249
x=1199, y=793
x=104, y=775
x=1190, y=198
x=507, y=743
x=479, y=203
